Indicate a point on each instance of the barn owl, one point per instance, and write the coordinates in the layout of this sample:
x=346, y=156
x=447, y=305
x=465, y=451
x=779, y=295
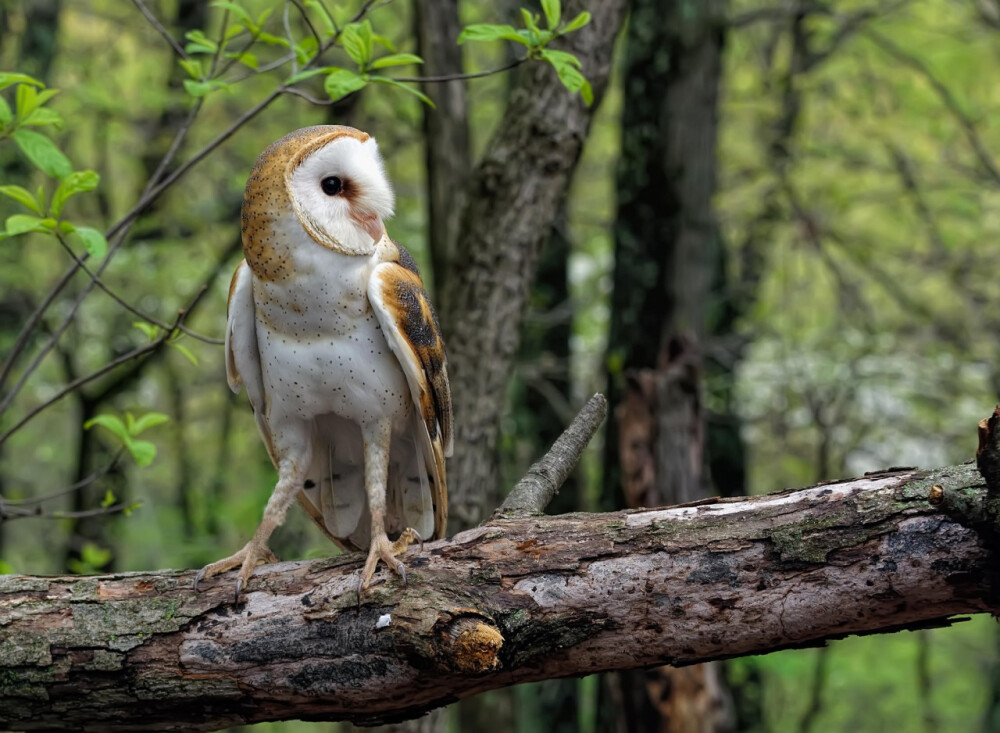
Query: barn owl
x=332, y=336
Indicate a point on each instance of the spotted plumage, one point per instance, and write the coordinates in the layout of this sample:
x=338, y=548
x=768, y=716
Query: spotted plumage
x=335, y=341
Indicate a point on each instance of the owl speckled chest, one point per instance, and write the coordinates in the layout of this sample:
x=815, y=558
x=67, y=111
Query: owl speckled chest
x=322, y=349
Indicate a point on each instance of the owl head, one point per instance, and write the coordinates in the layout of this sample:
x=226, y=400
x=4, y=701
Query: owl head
x=332, y=178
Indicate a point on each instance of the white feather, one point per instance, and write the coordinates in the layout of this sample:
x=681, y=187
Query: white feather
x=356, y=162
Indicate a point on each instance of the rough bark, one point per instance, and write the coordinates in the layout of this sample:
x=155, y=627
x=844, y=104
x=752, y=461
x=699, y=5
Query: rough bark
x=447, y=150
x=519, y=599
x=513, y=197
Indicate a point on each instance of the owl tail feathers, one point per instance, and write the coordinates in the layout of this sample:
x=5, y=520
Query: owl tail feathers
x=409, y=493
x=336, y=487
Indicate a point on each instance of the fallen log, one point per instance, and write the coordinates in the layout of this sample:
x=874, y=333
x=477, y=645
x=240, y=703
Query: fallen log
x=521, y=598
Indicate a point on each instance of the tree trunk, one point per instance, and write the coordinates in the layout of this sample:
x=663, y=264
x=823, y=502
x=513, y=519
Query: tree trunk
x=447, y=151
x=513, y=197
x=522, y=598
x=667, y=249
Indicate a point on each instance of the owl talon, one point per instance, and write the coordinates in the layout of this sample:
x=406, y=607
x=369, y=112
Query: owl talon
x=248, y=558
x=382, y=549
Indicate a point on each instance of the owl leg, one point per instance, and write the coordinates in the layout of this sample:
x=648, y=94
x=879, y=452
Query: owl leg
x=291, y=474
x=377, y=438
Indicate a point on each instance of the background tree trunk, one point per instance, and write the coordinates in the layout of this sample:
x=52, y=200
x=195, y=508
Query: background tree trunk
x=447, y=150
x=514, y=196
x=667, y=249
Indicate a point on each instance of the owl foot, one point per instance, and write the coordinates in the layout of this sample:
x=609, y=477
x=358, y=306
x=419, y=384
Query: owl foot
x=252, y=555
x=382, y=549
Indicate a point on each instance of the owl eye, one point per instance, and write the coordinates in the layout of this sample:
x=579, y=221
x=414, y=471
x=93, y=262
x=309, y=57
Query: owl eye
x=331, y=185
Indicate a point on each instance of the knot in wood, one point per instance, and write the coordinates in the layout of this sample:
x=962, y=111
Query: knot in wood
x=472, y=644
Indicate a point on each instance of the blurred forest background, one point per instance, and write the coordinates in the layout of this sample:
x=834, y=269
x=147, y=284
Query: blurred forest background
x=775, y=255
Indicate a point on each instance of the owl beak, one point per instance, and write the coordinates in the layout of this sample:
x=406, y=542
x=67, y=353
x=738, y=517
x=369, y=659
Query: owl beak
x=371, y=223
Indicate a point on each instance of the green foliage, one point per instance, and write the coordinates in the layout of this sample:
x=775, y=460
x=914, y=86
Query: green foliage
x=127, y=431
x=92, y=559
x=536, y=40
x=40, y=150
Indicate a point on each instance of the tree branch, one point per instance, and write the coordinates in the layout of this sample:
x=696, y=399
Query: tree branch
x=518, y=599
x=542, y=482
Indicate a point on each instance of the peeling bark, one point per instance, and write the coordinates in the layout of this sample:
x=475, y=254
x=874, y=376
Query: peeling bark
x=519, y=599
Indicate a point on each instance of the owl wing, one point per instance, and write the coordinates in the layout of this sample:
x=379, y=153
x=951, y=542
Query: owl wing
x=404, y=312
x=242, y=356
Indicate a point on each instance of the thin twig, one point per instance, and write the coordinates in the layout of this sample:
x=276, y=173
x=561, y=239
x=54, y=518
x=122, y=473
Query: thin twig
x=308, y=22
x=459, y=77
x=22, y=338
x=178, y=49
x=68, y=490
x=128, y=306
x=110, y=366
x=968, y=126
x=533, y=493
x=11, y=513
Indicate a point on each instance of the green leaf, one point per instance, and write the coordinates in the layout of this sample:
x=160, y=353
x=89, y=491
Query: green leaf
x=93, y=556
x=231, y=32
x=296, y=78
x=201, y=42
x=239, y=12
x=341, y=82
x=25, y=100
x=112, y=423
x=350, y=39
x=22, y=224
x=305, y=50
x=577, y=23
x=329, y=28
x=109, y=499
x=43, y=116
x=203, y=88
x=406, y=87
x=192, y=67
x=147, y=421
x=272, y=40
x=530, y=19
x=246, y=58
x=22, y=196
x=553, y=11
x=185, y=351
x=488, y=32
x=8, y=78
x=6, y=115
x=75, y=182
x=143, y=451
x=264, y=15
x=6, y=568
x=396, y=59
x=566, y=66
x=561, y=58
x=42, y=152
x=198, y=48
x=148, y=329
x=383, y=42
x=93, y=241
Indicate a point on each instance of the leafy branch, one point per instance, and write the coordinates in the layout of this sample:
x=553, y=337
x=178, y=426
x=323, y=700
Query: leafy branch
x=537, y=39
